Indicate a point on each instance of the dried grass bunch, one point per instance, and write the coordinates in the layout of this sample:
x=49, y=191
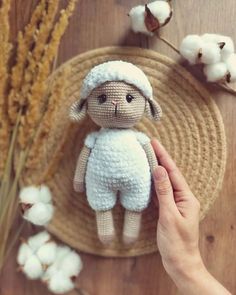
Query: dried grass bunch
x=26, y=98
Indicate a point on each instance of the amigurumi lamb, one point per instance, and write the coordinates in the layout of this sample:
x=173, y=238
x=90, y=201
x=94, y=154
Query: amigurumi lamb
x=116, y=161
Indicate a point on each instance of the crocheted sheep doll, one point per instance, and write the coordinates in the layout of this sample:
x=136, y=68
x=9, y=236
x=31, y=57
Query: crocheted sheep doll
x=116, y=161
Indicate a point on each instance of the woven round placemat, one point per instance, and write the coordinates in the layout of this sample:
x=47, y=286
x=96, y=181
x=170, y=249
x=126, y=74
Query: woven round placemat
x=191, y=130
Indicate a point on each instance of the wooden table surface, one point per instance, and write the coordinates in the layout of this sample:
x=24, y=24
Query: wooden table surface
x=98, y=23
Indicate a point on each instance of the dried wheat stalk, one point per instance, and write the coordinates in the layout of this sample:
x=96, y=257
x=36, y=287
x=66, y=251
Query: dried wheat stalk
x=5, y=49
x=24, y=100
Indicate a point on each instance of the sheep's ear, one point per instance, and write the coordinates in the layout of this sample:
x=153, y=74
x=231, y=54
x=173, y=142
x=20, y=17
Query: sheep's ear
x=153, y=109
x=78, y=110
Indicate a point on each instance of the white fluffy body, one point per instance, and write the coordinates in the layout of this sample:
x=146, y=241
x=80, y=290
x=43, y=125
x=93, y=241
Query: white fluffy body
x=40, y=199
x=160, y=10
x=190, y=48
x=67, y=264
x=215, y=72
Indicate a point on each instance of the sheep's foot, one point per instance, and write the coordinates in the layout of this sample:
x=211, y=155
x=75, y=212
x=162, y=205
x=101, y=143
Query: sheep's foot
x=105, y=226
x=132, y=224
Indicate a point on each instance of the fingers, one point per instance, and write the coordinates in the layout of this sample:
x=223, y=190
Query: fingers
x=177, y=179
x=164, y=191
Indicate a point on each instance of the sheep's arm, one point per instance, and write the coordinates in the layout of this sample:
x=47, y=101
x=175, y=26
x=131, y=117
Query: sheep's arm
x=81, y=166
x=152, y=159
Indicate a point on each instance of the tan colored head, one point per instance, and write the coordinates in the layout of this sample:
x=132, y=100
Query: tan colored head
x=115, y=104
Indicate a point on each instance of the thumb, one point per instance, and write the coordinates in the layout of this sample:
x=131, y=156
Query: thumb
x=163, y=189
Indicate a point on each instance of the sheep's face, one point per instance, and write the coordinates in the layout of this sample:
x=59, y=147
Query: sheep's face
x=116, y=105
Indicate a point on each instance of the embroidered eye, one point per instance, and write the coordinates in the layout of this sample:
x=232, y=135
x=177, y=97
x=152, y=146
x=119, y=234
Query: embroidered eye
x=102, y=98
x=129, y=98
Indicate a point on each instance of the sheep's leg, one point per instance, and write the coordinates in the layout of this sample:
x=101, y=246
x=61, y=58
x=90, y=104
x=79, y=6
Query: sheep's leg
x=132, y=224
x=105, y=226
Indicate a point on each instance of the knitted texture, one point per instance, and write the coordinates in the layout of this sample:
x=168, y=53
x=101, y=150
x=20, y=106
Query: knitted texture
x=81, y=165
x=115, y=105
x=121, y=115
x=191, y=130
x=152, y=159
x=132, y=224
x=105, y=226
x=116, y=71
x=117, y=163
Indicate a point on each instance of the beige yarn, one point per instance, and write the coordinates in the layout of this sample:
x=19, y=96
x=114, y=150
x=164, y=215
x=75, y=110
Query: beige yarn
x=132, y=225
x=81, y=165
x=105, y=226
x=114, y=104
x=191, y=129
x=151, y=156
x=127, y=114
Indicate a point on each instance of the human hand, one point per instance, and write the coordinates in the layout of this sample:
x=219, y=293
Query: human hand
x=178, y=229
x=178, y=224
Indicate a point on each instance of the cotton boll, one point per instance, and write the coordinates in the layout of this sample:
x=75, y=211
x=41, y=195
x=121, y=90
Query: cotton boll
x=231, y=66
x=33, y=269
x=49, y=272
x=215, y=72
x=214, y=38
x=71, y=264
x=36, y=241
x=45, y=194
x=62, y=251
x=224, y=41
x=190, y=48
x=29, y=195
x=39, y=214
x=47, y=253
x=66, y=261
x=161, y=10
x=228, y=48
x=60, y=284
x=210, y=53
x=36, y=204
x=59, y=275
x=149, y=18
x=137, y=17
x=24, y=253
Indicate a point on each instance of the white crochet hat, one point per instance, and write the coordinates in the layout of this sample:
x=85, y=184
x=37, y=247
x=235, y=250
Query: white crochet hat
x=116, y=71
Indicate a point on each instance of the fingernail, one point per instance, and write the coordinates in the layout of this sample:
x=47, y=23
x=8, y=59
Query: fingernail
x=159, y=173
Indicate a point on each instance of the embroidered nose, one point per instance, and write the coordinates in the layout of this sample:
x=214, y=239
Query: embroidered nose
x=114, y=102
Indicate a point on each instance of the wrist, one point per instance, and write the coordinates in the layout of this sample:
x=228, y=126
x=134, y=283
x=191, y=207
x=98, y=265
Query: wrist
x=187, y=268
x=193, y=278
